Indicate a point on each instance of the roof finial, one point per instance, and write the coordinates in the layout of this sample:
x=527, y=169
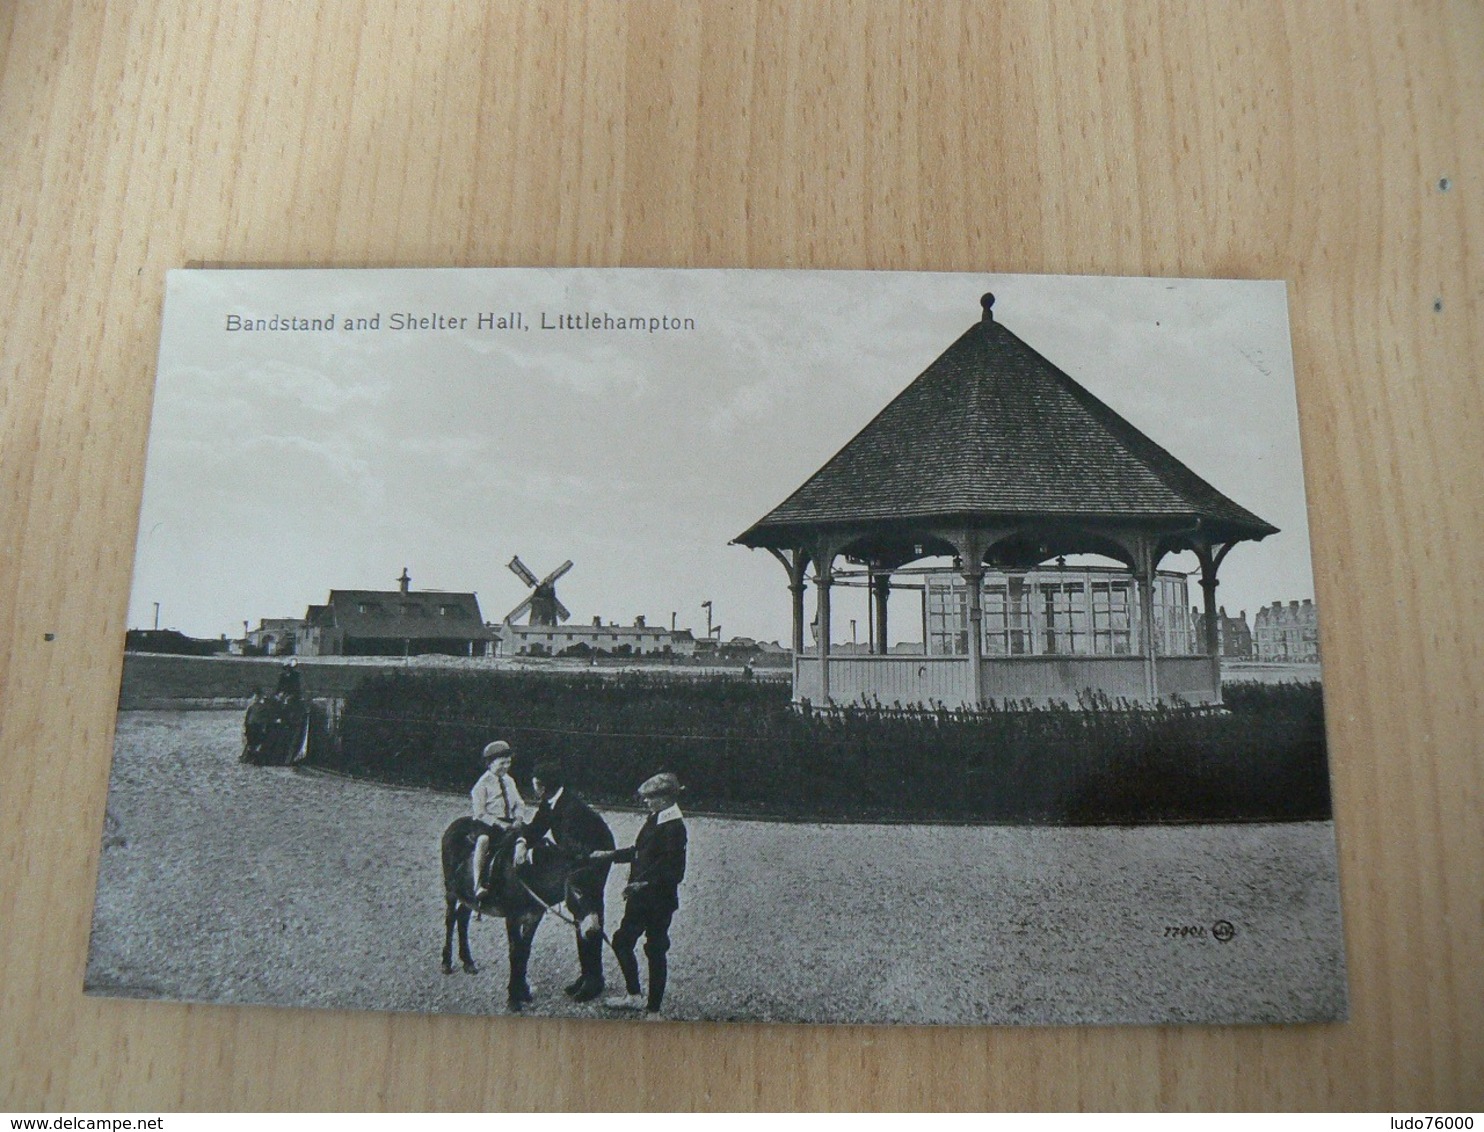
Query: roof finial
x=987, y=302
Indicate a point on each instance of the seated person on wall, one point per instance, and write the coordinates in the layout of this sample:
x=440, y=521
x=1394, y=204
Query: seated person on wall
x=651, y=898
x=290, y=681
x=498, y=808
x=574, y=830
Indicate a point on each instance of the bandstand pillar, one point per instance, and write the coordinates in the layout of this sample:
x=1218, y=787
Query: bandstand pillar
x=971, y=546
x=974, y=579
x=880, y=593
x=1213, y=630
x=794, y=562
x=823, y=581
x=796, y=591
x=1146, y=574
x=1210, y=560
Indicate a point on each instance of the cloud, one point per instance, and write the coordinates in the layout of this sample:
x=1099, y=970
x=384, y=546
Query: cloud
x=342, y=455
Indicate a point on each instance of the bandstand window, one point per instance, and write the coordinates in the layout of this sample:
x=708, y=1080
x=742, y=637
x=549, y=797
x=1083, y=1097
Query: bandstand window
x=1112, y=623
x=948, y=620
x=1064, y=607
x=1060, y=612
x=1173, y=632
x=1007, y=619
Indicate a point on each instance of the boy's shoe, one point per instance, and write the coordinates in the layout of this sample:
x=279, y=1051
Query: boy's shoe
x=587, y=992
x=653, y=1016
x=625, y=1002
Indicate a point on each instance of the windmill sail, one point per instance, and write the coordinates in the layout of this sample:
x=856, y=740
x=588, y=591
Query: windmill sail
x=541, y=602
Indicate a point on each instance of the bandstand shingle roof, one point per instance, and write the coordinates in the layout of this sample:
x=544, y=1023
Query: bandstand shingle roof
x=993, y=430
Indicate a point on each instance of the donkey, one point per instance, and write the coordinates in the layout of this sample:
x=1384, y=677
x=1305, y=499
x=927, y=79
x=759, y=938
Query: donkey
x=520, y=896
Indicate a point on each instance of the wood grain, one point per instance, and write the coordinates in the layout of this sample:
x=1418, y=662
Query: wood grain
x=1304, y=141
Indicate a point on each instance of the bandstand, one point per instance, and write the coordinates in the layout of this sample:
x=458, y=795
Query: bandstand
x=995, y=458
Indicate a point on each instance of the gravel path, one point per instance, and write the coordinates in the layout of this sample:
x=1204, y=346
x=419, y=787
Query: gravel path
x=226, y=883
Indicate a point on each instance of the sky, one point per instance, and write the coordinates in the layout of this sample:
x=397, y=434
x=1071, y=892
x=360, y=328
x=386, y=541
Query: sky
x=283, y=464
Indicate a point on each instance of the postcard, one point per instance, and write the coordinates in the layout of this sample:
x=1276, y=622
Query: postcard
x=787, y=646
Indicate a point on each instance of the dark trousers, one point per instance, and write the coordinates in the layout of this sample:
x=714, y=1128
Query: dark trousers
x=585, y=897
x=652, y=921
x=589, y=964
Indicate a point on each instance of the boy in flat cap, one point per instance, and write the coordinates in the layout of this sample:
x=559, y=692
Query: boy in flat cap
x=651, y=898
x=498, y=807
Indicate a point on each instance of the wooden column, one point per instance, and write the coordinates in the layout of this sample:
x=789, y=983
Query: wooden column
x=794, y=562
x=1145, y=573
x=1210, y=559
x=1213, y=630
x=972, y=546
x=823, y=581
x=974, y=579
x=880, y=594
x=822, y=554
x=796, y=591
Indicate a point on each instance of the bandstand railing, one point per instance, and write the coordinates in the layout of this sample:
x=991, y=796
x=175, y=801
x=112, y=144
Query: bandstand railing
x=919, y=681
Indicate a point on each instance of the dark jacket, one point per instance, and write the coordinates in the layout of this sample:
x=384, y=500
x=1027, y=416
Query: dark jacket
x=573, y=824
x=577, y=830
x=658, y=860
x=290, y=684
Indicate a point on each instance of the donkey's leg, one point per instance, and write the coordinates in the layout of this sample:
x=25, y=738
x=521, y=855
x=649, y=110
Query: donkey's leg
x=520, y=931
x=449, y=913
x=466, y=957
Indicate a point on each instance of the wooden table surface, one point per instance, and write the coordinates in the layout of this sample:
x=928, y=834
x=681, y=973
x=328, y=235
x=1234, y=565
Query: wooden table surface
x=1335, y=146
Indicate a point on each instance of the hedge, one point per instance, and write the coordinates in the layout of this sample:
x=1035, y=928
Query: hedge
x=742, y=748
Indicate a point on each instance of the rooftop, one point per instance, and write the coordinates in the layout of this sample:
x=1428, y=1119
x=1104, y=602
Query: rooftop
x=993, y=431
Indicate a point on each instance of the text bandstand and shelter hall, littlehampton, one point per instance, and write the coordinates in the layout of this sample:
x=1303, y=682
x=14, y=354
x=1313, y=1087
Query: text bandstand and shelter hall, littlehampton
x=997, y=459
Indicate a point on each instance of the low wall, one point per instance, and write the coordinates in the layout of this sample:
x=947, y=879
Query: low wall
x=911, y=681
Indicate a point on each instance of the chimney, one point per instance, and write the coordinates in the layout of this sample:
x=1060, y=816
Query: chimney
x=639, y=622
x=405, y=580
x=597, y=622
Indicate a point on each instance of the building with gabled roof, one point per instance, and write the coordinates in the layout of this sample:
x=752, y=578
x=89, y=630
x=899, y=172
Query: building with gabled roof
x=1234, y=635
x=1288, y=633
x=275, y=636
x=997, y=459
x=400, y=622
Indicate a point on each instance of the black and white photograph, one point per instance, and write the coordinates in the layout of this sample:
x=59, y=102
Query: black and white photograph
x=726, y=645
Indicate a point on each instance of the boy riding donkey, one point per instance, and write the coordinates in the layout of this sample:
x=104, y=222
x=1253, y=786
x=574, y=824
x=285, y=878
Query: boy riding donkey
x=498, y=809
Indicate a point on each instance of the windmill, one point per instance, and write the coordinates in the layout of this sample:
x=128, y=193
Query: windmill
x=542, y=600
